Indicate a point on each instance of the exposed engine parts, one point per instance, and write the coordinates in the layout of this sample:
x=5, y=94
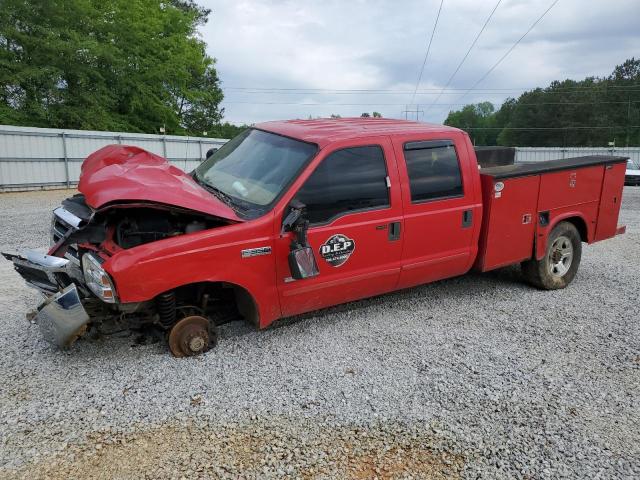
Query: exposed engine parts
x=137, y=226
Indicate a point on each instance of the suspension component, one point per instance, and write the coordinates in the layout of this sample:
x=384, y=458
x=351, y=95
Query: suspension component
x=166, y=305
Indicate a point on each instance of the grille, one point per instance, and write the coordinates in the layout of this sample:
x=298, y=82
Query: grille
x=59, y=228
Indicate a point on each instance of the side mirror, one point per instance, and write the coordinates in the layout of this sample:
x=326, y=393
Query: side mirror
x=302, y=262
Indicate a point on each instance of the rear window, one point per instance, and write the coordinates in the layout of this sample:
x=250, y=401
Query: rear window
x=433, y=169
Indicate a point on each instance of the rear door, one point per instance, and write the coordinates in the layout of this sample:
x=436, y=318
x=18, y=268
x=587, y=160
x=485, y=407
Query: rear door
x=354, y=207
x=442, y=207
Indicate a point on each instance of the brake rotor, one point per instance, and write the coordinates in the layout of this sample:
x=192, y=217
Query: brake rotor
x=191, y=336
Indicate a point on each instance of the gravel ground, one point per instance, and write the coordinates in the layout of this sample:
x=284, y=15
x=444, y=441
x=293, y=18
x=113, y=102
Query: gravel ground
x=475, y=377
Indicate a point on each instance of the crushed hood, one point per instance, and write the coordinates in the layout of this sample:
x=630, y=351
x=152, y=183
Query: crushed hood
x=126, y=173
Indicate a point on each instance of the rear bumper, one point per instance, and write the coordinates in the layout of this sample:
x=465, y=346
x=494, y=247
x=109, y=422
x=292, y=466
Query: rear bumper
x=632, y=178
x=62, y=318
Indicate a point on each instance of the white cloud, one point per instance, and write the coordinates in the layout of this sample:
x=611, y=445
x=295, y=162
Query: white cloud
x=379, y=44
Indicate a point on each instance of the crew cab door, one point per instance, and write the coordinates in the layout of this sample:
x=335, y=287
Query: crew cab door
x=442, y=207
x=353, y=203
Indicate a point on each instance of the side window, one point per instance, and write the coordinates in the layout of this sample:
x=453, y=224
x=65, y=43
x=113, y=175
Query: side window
x=434, y=171
x=347, y=180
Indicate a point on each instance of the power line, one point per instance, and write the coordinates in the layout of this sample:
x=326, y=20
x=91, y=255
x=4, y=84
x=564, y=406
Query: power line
x=455, y=72
x=434, y=89
x=625, y=102
x=510, y=49
x=457, y=91
x=433, y=32
x=604, y=127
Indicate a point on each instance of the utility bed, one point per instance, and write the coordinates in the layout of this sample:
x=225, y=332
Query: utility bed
x=522, y=200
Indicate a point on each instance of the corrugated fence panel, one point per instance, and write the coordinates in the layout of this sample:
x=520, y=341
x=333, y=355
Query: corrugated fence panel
x=540, y=154
x=33, y=158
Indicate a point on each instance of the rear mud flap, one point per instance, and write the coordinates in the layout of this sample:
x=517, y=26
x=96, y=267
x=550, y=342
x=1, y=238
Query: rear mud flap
x=62, y=318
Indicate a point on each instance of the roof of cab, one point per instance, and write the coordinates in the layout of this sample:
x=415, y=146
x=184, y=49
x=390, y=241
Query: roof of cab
x=327, y=130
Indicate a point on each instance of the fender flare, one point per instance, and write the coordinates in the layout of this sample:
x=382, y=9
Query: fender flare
x=542, y=233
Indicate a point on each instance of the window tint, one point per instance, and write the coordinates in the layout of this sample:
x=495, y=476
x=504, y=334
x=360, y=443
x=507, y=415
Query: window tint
x=347, y=180
x=433, y=170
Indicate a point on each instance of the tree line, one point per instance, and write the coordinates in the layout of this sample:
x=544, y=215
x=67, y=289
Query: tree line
x=586, y=113
x=121, y=65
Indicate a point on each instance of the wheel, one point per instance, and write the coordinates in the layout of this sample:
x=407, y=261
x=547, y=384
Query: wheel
x=560, y=263
x=191, y=336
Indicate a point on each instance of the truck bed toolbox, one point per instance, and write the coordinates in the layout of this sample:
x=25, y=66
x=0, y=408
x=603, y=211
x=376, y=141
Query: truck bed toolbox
x=523, y=202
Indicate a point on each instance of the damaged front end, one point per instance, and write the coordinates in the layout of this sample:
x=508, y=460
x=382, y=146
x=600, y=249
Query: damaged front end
x=78, y=293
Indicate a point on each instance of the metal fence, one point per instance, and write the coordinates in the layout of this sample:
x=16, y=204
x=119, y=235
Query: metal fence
x=539, y=154
x=38, y=158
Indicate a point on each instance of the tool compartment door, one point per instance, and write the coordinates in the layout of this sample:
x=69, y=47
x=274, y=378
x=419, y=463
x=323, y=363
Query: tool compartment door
x=508, y=225
x=610, y=200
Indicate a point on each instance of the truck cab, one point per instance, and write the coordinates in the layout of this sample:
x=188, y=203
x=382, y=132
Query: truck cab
x=295, y=216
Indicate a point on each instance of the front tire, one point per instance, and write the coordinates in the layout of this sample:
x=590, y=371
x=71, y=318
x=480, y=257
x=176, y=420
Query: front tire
x=560, y=263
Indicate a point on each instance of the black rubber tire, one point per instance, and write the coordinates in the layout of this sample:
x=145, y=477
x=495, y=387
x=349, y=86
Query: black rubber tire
x=537, y=272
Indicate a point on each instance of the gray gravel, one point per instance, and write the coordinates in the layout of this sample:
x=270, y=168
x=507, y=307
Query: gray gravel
x=479, y=376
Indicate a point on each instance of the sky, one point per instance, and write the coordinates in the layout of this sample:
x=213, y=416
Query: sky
x=285, y=59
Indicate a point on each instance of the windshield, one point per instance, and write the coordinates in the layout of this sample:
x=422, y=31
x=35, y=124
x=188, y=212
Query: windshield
x=255, y=167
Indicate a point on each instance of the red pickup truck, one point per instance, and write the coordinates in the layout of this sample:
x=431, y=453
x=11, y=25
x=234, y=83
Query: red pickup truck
x=294, y=216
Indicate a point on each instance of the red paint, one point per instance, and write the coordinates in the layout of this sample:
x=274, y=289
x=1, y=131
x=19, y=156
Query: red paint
x=610, y=201
x=120, y=172
x=434, y=244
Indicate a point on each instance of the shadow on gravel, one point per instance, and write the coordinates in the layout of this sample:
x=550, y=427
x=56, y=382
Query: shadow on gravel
x=272, y=448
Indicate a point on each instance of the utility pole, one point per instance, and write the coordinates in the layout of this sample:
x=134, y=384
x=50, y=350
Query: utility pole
x=417, y=111
x=628, y=119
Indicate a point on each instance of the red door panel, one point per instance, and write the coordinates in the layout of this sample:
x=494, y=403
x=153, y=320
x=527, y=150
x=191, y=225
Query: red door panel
x=440, y=236
x=368, y=266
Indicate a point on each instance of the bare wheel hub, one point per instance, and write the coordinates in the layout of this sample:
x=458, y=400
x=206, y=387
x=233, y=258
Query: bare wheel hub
x=560, y=256
x=190, y=336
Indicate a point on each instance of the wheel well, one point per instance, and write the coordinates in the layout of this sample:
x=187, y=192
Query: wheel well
x=580, y=225
x=229, y=297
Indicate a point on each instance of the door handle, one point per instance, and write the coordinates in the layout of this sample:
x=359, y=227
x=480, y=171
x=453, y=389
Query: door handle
x=394, y=231
x=467, y=218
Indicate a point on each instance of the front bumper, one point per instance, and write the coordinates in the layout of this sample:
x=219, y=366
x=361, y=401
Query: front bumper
x=62, y=318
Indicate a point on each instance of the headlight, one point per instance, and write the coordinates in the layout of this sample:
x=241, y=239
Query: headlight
x=97, y=279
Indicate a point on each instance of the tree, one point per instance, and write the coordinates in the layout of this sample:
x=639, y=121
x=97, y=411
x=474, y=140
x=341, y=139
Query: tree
x=589, y=112
x=365, y=115
x=226, y=130
x=132, y=65
x=478, y=120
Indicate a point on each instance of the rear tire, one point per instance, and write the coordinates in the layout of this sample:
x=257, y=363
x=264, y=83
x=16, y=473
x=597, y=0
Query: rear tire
x=561, y=259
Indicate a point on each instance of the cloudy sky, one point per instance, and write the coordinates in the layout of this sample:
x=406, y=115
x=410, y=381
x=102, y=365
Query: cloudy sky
x=291, y=59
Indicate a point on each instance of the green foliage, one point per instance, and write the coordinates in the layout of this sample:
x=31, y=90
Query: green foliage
x=562, y=114
x=226, y=130
x=131, y=65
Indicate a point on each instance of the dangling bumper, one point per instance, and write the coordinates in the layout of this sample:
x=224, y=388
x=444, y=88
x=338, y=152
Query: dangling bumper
x=62, y=318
